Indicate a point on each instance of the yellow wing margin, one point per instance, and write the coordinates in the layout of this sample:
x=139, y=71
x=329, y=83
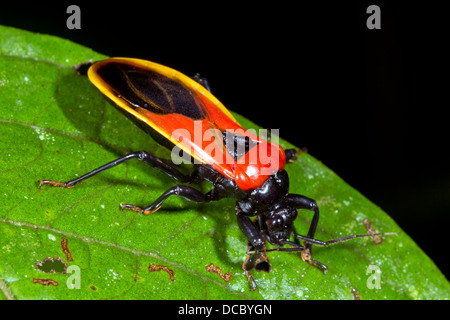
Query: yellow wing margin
x=170, y=73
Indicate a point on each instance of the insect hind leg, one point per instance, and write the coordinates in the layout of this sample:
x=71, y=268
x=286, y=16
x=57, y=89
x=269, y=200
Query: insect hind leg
x=141, y=155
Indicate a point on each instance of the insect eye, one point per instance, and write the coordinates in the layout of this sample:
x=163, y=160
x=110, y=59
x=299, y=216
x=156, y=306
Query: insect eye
x=275, y=224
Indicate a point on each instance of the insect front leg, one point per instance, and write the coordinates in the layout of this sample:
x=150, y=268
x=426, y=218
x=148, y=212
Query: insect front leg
x=302, y=202
x=256, y=255
x=140, y=155
x=255, y=260
x=252, y=233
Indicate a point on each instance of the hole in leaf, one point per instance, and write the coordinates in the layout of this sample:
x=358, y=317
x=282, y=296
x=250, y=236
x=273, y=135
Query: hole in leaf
x=51, y=265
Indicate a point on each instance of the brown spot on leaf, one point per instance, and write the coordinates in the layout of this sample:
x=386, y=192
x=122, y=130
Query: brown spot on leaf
x=136, y=278
x=212, y=268
x=65, y=249
x=158, y=267
x=45, y=282
x=376, y=239
x=355, y=294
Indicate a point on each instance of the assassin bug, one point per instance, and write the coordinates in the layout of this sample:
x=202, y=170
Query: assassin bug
x=162, y=101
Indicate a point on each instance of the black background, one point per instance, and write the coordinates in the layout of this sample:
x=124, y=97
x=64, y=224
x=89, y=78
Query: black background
x=370, y=104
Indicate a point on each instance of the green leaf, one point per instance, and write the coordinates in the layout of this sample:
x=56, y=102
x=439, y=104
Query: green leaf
x=55, y=125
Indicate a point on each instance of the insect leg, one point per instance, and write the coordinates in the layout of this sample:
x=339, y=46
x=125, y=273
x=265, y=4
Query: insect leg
x=256, y=255
x=250, y=231
x=290, y=154
x=293, y=154
x=141, y=155
x=251, y=280
x=203, y=81
x=302, y=202
x=186, y=192
x=337, y=240
x=255, y=260
x=306, y=255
